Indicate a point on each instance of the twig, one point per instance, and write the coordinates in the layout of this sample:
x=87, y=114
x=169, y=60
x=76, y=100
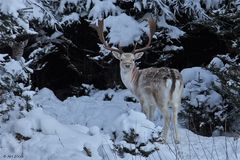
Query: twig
x=59, y=139
x=193, y=148
x=105, y=152
x=234, y=149
x=202, y=147
x=226, y=149
x=159, y=155
x=171, y=150
x=215, y=148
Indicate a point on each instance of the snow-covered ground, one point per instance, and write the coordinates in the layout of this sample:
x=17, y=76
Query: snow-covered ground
x=91, y=127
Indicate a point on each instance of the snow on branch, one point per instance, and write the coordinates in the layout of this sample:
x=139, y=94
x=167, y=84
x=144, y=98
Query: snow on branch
x=172, y=31
x=196, y=7
x=68, y=19
x=64, y=2
x=12, y=7
x=212, y=4
x=124, y=30
x=103, y=8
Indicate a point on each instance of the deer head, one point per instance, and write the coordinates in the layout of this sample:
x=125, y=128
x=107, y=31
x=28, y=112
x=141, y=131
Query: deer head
x=127, y=60
x=18, y=48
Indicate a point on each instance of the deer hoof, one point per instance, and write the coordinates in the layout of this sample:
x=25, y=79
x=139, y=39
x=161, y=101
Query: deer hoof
x=177, y=141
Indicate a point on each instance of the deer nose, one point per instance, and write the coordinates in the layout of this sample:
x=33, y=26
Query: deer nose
x=127, y=65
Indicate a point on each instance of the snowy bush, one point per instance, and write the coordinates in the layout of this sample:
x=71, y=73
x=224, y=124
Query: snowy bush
x=15, y=87
x=130, y=144
x=211, y=102
x=202, y=105
x=136, y=135
x=229, y=76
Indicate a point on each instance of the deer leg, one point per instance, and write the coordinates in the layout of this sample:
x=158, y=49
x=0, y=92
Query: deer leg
x=152, y=111
x=149, y=110
x=165, y=129
x=146, y=110
x=149, y=105
x=175, y=123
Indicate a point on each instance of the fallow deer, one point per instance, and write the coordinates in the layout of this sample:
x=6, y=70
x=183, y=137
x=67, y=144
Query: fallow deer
x=154, y=87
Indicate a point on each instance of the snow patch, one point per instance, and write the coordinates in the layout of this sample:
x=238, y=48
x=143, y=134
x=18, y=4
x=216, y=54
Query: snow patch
x=123, y=25
x=67, y=19
x=102, y=8
x=216, y=63
x=12, y=6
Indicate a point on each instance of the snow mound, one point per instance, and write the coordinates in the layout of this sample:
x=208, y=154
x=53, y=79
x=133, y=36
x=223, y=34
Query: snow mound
x=49, y=139
x=83, y=128
x=88, y=111
x=35, y=121
x=133, y=119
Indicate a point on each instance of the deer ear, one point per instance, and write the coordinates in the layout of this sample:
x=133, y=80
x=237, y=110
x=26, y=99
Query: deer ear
x=25, y=43
x=116, y=55
x=11, y=44
x=138, y=55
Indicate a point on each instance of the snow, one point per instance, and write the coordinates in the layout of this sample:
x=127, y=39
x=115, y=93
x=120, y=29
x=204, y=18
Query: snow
x=77, y=127
x=55, y=35
x=172, y=31
x=212, y=4
x=12, y=6
x=52, y=140
x=63, y=2
x=197, y=82
x=138, y=5
x=70, y=18
x=194, y=8
x=216, y=63
x=15, y=68
x=120, y=24
x=123, y=25
x=87, y=112
x=238, y=4
x=102, y=8
x=172, y=48
x=91, y=127
x=2, y=57
x=199, y=73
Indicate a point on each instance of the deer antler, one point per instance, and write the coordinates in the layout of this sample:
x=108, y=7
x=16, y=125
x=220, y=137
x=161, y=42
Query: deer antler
x=102, y=39
x=152, y=27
